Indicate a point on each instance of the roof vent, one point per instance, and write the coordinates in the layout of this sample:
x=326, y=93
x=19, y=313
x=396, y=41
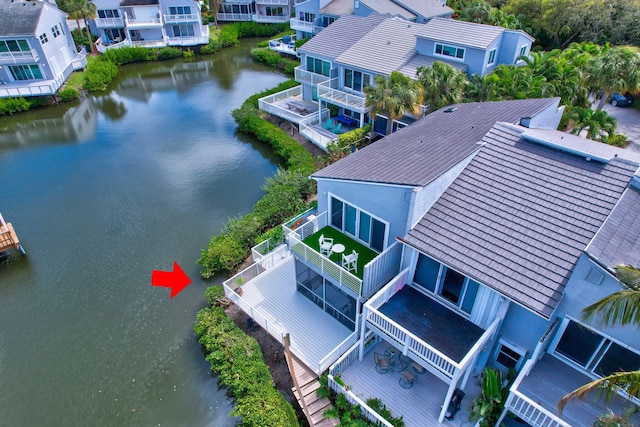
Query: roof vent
x=450, y=109
x=388, y=42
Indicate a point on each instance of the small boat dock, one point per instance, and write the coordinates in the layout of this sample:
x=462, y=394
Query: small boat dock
x=8, y=237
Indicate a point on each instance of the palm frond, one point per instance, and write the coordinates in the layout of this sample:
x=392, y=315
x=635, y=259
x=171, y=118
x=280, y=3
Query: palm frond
x=608, y=386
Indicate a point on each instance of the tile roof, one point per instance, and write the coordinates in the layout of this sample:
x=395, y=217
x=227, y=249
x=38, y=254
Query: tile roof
x=340, y=35
x=338, y=8
x=418, y=154
x=618, y=240
x=410, y=68
x=520, y=214
x=426, y=8
x=385, y=48
x=388, y=7
x=20, y=18
x=461, y=33
x=139, y=2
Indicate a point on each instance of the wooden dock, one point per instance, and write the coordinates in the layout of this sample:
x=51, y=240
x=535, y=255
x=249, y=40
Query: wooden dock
x=8, y=237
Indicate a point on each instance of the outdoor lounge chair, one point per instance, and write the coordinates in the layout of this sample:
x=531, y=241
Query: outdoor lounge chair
x=382, y=364
x=350, y=262
x=328, y=124
x=338, y=128
x=325, y=245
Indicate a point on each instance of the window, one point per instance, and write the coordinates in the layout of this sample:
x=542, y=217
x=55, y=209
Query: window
x=523, y=50
x=359, y=224
x=492, y=57
x=307, y=17
x=356, y=80
x=108, y=13
x=180, y=10
x=594, y=352
x=318, y=66
x=43, y=38
x=446, y=283
x=509, y=356
x=454, y=52
x=25, y=72
x=182, y=30
x=594, y=276
x=55, y=31
x=14, y=46
x=327, y=20
x=274, y=11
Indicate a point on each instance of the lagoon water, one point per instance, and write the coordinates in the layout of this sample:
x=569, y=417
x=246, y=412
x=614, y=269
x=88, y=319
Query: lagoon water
x=101, y=193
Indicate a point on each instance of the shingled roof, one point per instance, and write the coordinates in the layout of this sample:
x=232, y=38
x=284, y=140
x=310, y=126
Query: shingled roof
x=418, y=154
x=20, y=18
x=461, y=32
x=520, y=214
x=618, y=241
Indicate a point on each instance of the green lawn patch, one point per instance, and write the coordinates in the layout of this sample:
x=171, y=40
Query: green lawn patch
x=365, y=255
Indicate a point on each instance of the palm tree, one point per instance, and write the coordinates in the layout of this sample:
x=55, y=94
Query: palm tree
x=599, y=125
x=80, y=9
x=442, y=84
x=619, y=308
x=393, y=97
x=616, y=70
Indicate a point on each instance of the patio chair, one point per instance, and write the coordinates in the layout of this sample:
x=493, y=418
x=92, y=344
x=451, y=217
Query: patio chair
x=406, y=379
x=382, y=364
x=325, y=246
x=338, y=128
x=328, y=124
x=350, y=262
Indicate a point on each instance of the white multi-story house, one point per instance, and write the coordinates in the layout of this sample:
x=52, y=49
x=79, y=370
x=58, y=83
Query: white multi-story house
x=481, y=233
x=37, y=52
x=148, y=23
x=341, y=61
x=263, y=11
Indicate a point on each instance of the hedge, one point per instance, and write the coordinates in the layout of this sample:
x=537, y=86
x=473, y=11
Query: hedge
x=13, y=105
x=274, y=59
x=237, y=360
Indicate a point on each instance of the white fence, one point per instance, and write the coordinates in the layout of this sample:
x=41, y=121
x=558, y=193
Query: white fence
x=329, y=90
x=234, y=16
x=304, y=76
x=270, y=19
x=307, y=130
x=381, y=269
x=190, y=17
x=268, y=104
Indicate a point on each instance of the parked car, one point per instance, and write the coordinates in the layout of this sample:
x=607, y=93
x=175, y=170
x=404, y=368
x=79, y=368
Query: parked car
x=620, y=100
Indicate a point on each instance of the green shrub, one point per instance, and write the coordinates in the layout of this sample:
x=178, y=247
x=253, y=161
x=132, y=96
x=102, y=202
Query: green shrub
x=212, y=47
x=617, y=139
x=68, y=94
x=128, y=55
x=228, y=35
x=13, y=105
x=223, y=253
x=274, y=59
x=169, y=53
x=188, y=53
x=300, y=42
x=99, y=74
x=255, y=29
x=237, y=360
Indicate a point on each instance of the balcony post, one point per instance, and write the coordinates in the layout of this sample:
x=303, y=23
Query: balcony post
x=447, y=399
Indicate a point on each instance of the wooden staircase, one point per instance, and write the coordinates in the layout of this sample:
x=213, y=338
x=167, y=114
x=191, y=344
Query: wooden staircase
x=306, y=384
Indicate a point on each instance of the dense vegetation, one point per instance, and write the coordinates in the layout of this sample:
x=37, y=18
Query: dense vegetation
x=237, y=360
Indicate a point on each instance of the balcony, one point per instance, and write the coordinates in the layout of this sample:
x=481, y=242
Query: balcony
x=141, y=23
x=328, y=91
x=259, y=17
x=109, y=22
x=308, y=77
x=182, y=18
x=288, y=105
x=286, y=44
x=311, y=128
x=299, y=25
x=273, y=2
x=19, y=57
x=235, y=17
x=536, y=391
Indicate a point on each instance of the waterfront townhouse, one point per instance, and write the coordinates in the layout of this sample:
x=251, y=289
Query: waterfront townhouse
x=312, y=16
x=148, y=23
x=264, y=11
x=341, y=61
x=37, y=52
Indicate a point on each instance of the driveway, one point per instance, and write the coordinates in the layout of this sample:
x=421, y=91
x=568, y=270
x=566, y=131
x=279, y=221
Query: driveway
x=628, y=123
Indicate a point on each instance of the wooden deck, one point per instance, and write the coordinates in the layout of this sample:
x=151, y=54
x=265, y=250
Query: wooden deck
x=8, y=237
x=419, y=405
x=550, y=379
x=314, y=333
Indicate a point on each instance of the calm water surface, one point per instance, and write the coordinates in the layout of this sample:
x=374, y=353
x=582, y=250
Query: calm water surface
x=101, y=193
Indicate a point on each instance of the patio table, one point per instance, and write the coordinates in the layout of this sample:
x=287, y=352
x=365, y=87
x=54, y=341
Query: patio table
x=345, y=120
x=397, y=361
x=338, y=248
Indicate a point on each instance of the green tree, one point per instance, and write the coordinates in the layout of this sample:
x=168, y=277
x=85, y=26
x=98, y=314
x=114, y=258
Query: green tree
x=598, y=124
x=442, y=85
x=393, y=96
x=619, y=308
x=80, y=9
x=615, y=70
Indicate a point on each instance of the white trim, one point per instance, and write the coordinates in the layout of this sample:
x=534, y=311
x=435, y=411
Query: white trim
x=515, y=348
x=454, y=58
x=495, y=57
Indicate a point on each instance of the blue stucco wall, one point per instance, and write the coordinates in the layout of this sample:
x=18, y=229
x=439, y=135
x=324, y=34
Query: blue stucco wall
x=512, y=41
x=389, y=203
x=360, y=9
x=523, y=327
x=475, y=59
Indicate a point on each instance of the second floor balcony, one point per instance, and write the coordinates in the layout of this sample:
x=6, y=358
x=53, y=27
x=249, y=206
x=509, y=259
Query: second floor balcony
x=308, y=77
x=175, y=19
x=20, y=57
x=330, y=92
x=270, y=19
x=300, y=25
x=117, y=22
x=143, y=22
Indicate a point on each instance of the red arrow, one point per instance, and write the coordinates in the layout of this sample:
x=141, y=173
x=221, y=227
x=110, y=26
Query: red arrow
x=177, y=280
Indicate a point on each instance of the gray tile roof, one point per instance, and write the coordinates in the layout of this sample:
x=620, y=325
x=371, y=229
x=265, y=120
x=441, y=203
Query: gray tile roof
x=419, y=153
x=20, y=18
x=385, y=48
x=388, y=7
x=139, y=2
x=410, y=69
x=338, y=8
x=461, y=33
x=519, y=216
x=427, y=8
x=340, y=35
x=618, y=240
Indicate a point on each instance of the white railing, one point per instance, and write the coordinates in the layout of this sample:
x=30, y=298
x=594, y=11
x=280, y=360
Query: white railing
x=304, y=76
x=320, y=139
x=344, y=277
x=526, y=408
x=381, y=269
x=234, y=16
x=188, y=17
x=141, y=22
x=329, y=91
x=302, y=231
x=109, y=22
x=188, y=41
x=268, y=104
x=272, y=2
x=239, y=279
x=305, y=26
x=49, y=88
x=279, y=46
x=150, y=43
x=271, y=258
x=340, y=366
x=334, y=354
x=15, y=57
x=270, y=19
